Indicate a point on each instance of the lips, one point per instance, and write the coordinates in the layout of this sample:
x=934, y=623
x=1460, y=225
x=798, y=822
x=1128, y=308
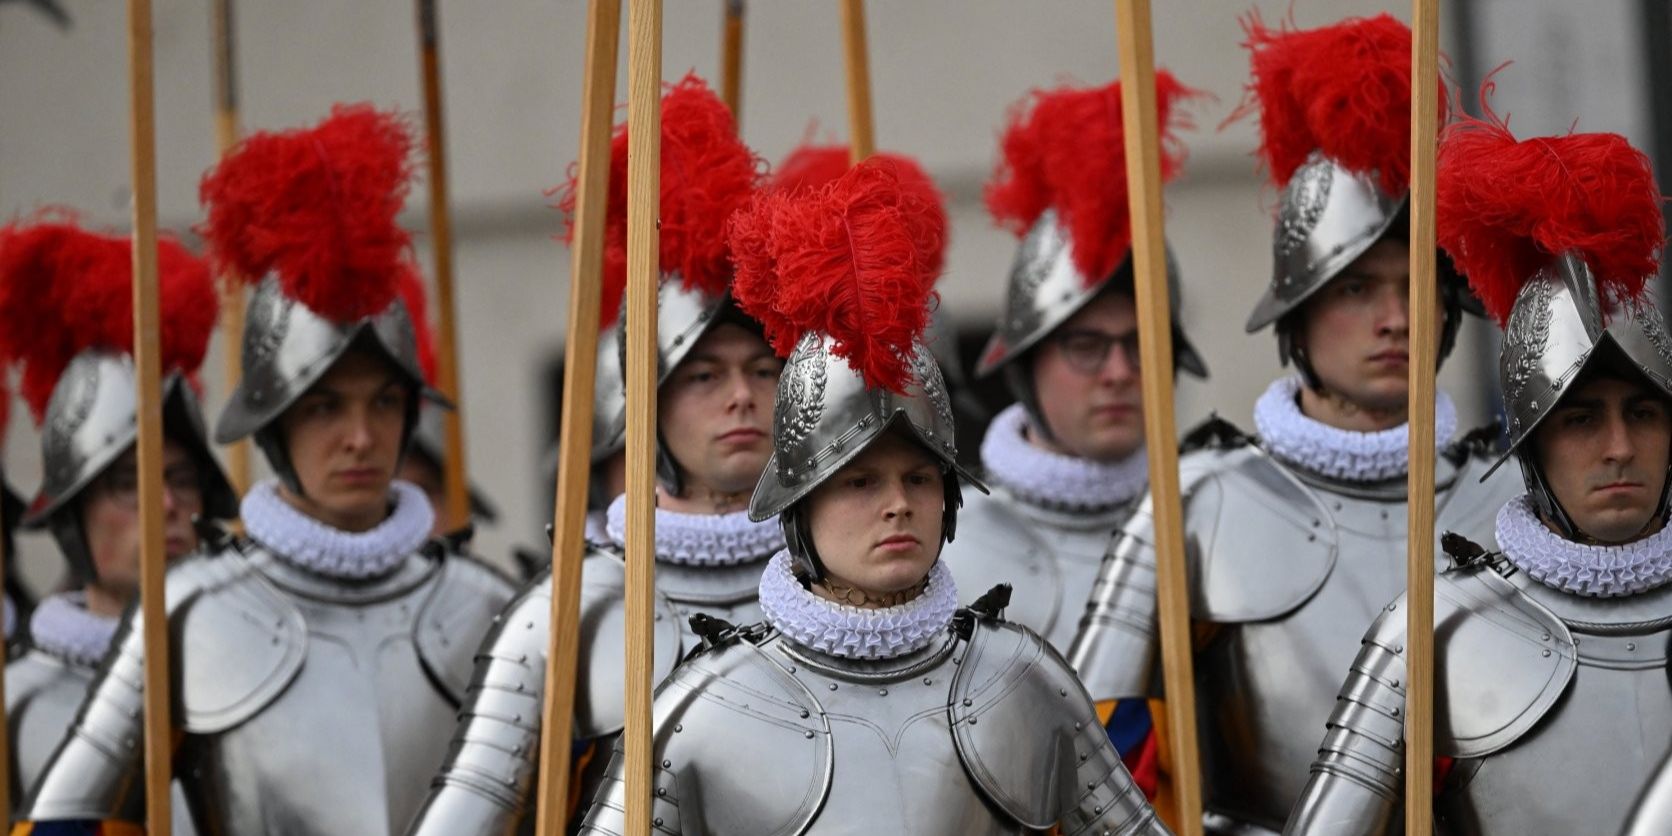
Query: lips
x=742, y=436
x=899, y=542
x=358, y=475
x=1391, y=357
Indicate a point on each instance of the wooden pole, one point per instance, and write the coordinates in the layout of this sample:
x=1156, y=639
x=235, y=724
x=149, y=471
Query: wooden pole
x=232, y=290
x=1155, y=353
x=863, y=139
x=644, y=154
x=149, y=403
x=580, y=366
x=731, y=61
x=5, y=735
x=1419, y=594
x=457, y=512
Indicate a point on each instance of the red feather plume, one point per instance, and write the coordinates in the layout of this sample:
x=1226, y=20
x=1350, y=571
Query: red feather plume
x=1343, y=89
x=811, y=166
x=317, y=206
x=1064, y=149
x=1504, y=208
x=707, y=174
x=852, y=259
x=64, y=290
x=418, y=309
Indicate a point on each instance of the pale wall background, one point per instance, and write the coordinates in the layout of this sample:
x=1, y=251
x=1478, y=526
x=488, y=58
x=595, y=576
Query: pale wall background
x=944, y=72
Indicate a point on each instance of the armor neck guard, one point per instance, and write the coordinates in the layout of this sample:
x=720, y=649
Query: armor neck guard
x=1055, y=481
x=851, y=632
x=1381, y=490
x=1334, y=453
x=312, y=545
x=702, y=539
x=413, y=570
x=62, y=627
x=1578, y=568
x=907, y=665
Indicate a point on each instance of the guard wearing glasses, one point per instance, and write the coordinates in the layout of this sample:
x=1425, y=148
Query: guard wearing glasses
x=1066, y=462
x=78, y=379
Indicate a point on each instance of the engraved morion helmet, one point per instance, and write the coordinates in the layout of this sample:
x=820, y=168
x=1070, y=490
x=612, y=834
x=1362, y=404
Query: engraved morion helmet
x=1060, y=186
x=858, y=367
x=308, y=217
x=1560, y=237
x=1343, y=170
x=66, y=321
x=707, y=174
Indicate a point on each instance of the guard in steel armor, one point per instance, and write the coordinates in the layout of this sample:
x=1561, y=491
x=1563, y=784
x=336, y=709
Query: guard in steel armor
x=318, y=659
x=1551, y=700
x=66, y=321
x=867, y=702
x=717, y=382
x=1294, y=538
x=1066, y=461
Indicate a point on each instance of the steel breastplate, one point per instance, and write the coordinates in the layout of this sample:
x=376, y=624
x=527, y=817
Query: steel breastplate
x=1614, y=721
x=43, y=693
x=1268, y=686
x=359, y=730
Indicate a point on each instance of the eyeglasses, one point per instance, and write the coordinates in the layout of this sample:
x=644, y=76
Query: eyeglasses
x=1087, y=351
x=121, y=484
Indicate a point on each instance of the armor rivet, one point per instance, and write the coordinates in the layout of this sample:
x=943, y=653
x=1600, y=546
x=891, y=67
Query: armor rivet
x=658, y=818
x=832, y=686
x=957, y=660
x=805, y=713
x=809, y=734
x=1399, y=648
x=679, y=340
x=882, y=692
x=1547, y=652
x=792, y=669
x=968, y=702
x=275, y=640
x=928, y=681
x=1631, y=645
x=1545, y=637
x=678, y=727
x=519, y=687
x=1311, y=538
x=1092, y=785
x=972, y=721
x=517, y=718
x=662, y=791
x=1384, y=515
x=1084, y=756
x=517, y=749
x=528, y=626
x=1078, y=725
x=1337, y=506
x=1395, y=712
x=1098, y=810
x=667, y=764
x=1316, y=523
x=1394, y=683
x=522, y=657
x=1062, y=692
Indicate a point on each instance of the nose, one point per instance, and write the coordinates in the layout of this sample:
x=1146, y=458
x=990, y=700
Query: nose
x=1393, y=314
x=740, y=395
x=1619, y=448
x=359, y=434
x=1121, y=366
x=895, y=505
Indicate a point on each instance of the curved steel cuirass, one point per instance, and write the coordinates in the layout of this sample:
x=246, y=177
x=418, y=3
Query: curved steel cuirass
x=350, y=736
x=43, y=692
x=1049, y=557
x=1653, y=814
x=775, y=738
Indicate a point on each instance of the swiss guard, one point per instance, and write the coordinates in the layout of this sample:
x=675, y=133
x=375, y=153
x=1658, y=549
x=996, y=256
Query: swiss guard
x=1296, y=536
x=867, y=701
x=717, y=382
x=1551, y=705
x=319, y=658
x=66, y=323
x=1066, y=461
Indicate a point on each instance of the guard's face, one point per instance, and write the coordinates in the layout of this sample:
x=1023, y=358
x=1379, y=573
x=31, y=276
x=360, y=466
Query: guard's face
x=344, y=440
x=110, y=516
x=1357, y=329
x=877, y=522
x=1604, y=452
x=715, y=411
x=1085, y=376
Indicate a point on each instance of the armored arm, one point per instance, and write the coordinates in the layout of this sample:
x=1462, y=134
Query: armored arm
x=91, y=774
x=1358, y=779
x=484, y=785
x=1105, y=798
x=1115, y=649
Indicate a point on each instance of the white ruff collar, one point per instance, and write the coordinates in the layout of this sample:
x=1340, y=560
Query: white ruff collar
x=1594, y=571
x=306, y=542
x=1053, y=480
x=62, y=626
x=852, y=632
x=1339, y=454
x=702, y=539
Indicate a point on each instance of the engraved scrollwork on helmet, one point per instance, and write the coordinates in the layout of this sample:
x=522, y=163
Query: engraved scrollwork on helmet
x=928, y=375
x=1303, y=204
x=266, y=325
x=1525, y=340
x=1648, y=317
x=67, y=412
x=1038, y=254
x=403, y=333
x=800, y=405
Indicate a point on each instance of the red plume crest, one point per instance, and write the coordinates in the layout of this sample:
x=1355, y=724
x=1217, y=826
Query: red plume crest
x=811, y=166
x=1064, y=149
x=317, y=206
x=851, y=259
x=64, y=290
x=417, y=304
x=707, y=174
x=1504, y=208
x=1343, y=89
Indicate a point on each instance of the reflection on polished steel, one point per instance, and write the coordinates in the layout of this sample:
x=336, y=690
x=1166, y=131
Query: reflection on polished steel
x=1289, y=566
x=91, y=421
x=1653, y=813
x=826, y=415
x=287, y=348
x=1045, y=289
x=276, y=665
x=492, y=767
x=1528, y=678
x=982, y=732
x=609, y=397
x=1328, y=217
